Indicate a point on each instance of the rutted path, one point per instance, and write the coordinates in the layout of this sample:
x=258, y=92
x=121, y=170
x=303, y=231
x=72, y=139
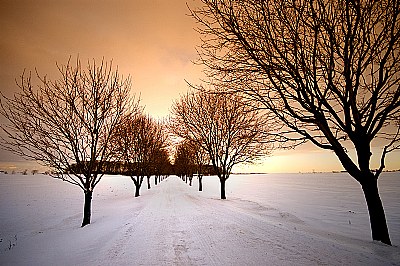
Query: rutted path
x=175, y=226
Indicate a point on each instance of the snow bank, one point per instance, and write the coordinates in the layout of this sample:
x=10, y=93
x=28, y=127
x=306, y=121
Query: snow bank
x=266, y=220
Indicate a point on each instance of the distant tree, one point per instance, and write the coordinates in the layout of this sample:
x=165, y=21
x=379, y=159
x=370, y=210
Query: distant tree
x=67, y=122
x=185, y=161
x=138, y=141
x=126, y=147
x=328, y=70
x=223, y=125
x=162, y=164
x=158, y=156
x=34, y=171
x=201, y=160
x=191, y=159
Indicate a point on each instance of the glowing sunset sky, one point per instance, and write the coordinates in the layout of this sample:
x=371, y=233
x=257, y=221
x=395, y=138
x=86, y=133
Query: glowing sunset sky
x=152, y=40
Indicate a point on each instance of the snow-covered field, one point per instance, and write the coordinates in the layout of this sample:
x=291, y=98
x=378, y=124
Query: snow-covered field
x=274, y=219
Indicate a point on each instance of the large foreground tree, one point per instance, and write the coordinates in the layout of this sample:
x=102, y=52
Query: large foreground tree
x=329, y=70
x=230, y=131
x=66, y=124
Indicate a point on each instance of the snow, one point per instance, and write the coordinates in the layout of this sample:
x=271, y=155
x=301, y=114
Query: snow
x=273, y=219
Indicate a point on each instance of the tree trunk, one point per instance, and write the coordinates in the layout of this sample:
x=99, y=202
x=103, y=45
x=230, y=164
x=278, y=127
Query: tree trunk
x=376, y=212
x=222, y=181
x=200, y=183
x=87, y=208
x=148, y=182
x=137, y=190
x=190, y=180
x=156, y=180
x=138, y=183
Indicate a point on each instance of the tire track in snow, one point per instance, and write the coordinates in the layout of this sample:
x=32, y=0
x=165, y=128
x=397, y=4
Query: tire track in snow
x=117, y=244
x=199, y=245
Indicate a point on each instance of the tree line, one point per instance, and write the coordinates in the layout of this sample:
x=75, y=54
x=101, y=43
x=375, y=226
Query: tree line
x=86, y=124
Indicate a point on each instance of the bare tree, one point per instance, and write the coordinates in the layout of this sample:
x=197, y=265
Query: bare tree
x=158, y=144
x=185, y=161
x=201, y=160
x=127, y=147
x=329, y=70
x=138, y=142
x=230, y=131
x=162, y=164
x=66, y=124
x=161, y=152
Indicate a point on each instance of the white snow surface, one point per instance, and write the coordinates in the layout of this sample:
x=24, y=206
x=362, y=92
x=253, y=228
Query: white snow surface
x=272, y=219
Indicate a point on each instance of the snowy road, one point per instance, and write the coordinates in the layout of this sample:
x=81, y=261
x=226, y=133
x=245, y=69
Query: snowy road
x=178, y=227
x=171, y=224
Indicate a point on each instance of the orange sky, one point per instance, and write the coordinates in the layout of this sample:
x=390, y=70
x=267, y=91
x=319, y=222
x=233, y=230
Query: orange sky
x=152, y=40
